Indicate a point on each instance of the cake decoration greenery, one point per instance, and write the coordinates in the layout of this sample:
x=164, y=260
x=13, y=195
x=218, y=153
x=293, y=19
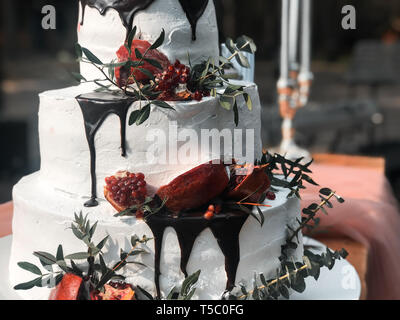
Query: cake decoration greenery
x=94, y=273
x=143, y=72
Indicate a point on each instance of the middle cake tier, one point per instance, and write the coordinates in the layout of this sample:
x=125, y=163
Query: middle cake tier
x=168, y=144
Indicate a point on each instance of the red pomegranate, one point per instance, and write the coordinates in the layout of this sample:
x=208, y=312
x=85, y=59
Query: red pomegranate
x=248, y=180
x=142, y=46
x=125, y=189
x=195, y=187
x=68, y=288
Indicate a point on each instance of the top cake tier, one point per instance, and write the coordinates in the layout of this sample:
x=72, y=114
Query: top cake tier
x=190, y=28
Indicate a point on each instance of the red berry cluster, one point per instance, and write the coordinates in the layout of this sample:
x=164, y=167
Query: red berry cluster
x=171, y=78
x=174, y=75
x=127, y=190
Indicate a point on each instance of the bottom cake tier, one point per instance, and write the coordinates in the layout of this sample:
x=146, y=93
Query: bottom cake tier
x=43, y=217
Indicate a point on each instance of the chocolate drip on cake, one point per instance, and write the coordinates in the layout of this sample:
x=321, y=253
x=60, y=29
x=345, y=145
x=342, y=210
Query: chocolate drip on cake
x=96, y=107
x=127, y=9
x=194, y=9
x=225, y=228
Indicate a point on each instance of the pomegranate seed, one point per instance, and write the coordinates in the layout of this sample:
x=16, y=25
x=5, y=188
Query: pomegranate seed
x=140, y=176
x=271, y=195
x=198, y=96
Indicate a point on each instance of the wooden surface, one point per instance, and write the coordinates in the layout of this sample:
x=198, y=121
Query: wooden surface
x=358, y=253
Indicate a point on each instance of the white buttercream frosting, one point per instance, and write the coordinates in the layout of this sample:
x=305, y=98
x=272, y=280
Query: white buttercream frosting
x=42, y=218
x=105, y=34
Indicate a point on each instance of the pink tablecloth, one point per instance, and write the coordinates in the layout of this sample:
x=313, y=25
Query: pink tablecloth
x=370, y=215
x=5, y=219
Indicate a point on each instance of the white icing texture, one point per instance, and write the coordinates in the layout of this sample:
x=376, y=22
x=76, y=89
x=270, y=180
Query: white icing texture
x=64, y=150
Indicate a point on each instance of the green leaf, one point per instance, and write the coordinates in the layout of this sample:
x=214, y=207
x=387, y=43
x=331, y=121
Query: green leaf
x=131, y=36
x=78, y=256
x=134, y=116
x=284, y=291
x=113, y=65
x=102, y=243
x=244, y=43
x=30, y=267
x=242, y=60
x=226, y=102
x=91, y=56
x=93, y=229
x=236, y=114
x=29, y=285
x=159, y=41
x=249, y=103
x=60, y=254
x=325, y=191
x=230, y=45
x=63, y=265
x=145, y=293
x=103, y=265
x=138, y=54
x=147, y=73
x=189, y=282
x=144, y=115
x=76, y=232
x=75, y=268
x=78, y=51
x=45, y=257
x=154, y=63
x=262, y=218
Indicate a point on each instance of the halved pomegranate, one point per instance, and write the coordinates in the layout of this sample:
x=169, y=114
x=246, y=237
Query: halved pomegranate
x=115, y=291
x=247, y=180
x=124, y=190
x=195, y=187
x=121, y=74
x=68, y=288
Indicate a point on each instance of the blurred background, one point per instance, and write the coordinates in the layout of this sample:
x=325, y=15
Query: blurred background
x=355, y=100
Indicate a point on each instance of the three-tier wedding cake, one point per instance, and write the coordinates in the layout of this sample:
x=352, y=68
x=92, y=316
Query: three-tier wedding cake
x=97, y=141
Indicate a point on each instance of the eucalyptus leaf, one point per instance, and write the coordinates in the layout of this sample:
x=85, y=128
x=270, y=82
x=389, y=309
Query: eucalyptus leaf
x=133, y=117
x=144, y=115
x=91, y=56
x=30, y=267
x=29, y=285
x=46, y=258
x=131, y=36
x=159, y=41
x=78, y=256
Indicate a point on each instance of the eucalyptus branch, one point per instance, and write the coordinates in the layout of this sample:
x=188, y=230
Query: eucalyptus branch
x=312, y=214
x=221, y=67
x=275, y=281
